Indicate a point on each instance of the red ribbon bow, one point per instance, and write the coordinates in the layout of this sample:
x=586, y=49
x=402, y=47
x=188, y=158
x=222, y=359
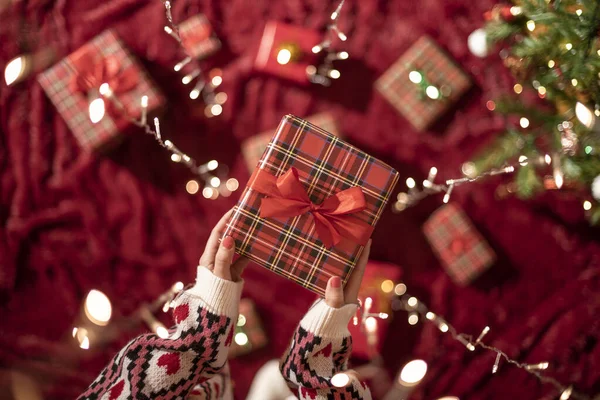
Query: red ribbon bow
x=288, y=198
x=92, y=72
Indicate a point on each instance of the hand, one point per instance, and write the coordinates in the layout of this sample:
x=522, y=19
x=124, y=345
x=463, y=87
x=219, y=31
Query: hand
x=218, y=258
x=337, y=297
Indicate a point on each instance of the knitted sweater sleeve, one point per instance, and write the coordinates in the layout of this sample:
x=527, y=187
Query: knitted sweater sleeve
x=195, y=352
x=320, y=349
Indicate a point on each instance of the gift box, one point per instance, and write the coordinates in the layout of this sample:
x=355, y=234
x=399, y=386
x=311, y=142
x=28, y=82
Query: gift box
x=310, y=206
x=462, y=250
x=75, y=82
x=254, y=147
x=285, y=51
x=423, y=83
x=198, y=37
x=378, y=284
x=249, y=332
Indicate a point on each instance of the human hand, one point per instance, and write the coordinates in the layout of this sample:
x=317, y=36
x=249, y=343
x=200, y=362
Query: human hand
x=219, y=258
x=337, y=297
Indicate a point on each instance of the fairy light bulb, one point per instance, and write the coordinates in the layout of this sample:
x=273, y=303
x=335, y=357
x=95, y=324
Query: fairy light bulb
x=284, y=56
x=340, y=380
x=241, y=339
x=531, y=25
x=207, y=192
x=161, y=331
x=387, y=286
x=97, y=110
x=585, y=115
x=587, y=205
x=192, y=187
x=371, y=324
x=216, y=80
x=412, y=301
x=566, y=394
x=215, y=182
x=334, y=74
x=97, y=307
x=412, y=373
x=14, y=70
x=232, y=184
x=410, y=183
x=432, y=92
x=212, y=165
x=415, y=77
x=400, y=289
x=524, y=122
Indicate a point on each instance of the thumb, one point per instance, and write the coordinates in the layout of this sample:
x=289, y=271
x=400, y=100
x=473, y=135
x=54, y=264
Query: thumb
x=224, y=258
x=334, y=294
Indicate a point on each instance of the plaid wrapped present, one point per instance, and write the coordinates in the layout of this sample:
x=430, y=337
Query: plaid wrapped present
x=426, y=95
x=249, y=332
x=254, y=147
x=310, y=206
x=198, y=37
x=75, y=80
x=295, y=42
x=378, y=284
x=460, y=247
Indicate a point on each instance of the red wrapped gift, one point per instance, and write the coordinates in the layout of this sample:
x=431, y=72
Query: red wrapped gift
x=249, y=332
x=198, y=38
x=464, y=253
x=378, y=284
x=286, y=51
x=75, y=81
x=254, y=147
x=310, y=206
x=423, y=83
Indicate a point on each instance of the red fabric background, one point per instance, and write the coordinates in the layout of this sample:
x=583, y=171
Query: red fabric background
x=124, y=224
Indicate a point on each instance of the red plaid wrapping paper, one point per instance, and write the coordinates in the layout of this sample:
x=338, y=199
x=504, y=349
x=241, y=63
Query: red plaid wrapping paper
x=439, y=69
x=73, y=106
x=326, y=165
x=276, y=35
x=462, y=250
x=249, y=326
x=198, y=37
x=254, y=147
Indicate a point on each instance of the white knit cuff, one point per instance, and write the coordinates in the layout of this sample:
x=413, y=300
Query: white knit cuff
x=222, y=297
x=329, y=322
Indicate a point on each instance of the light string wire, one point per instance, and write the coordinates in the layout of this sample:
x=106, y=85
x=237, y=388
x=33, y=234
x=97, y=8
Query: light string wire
x=415, y=195
x=413, y=305
x=323, y=74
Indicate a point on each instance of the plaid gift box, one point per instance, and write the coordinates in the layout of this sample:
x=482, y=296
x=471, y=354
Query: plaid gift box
x=462, y=250
x=310, y=205
x=249, y=332
x=198, y=38
x=296, y=43
x=104, y=59
x=254, y=147
x=378, y=283
x=433, y=68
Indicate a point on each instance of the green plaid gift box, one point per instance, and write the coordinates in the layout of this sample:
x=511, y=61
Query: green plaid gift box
x=462, y=250
x=436, y=69
x=73, y=105
x=198, y=37
x=254, y=147
x=330, y=172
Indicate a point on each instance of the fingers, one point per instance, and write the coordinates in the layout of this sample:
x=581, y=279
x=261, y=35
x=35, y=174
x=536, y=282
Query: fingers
x=237, y=268
x=224, y=257
x=334, y=294
x=212, y=245
x=353, y=285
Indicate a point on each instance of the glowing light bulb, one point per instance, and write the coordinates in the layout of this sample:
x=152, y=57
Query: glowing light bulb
x=531, y=25
x=551, y=64
x=97, y=307
x=207, y=192
x=334, y=74
x=412, y=373
x=432, y=92
x=284, y=56
x=97, y=110
x=175, y=157
x=216, y=80
x=430, y=316
x=585, y=115
x=232, y=184
x=371, y=324
x=548, y=159
x=387, y=286
x=574, y=82
x=192, y=187
x=542, y=91
x=178, y=286
x=413, y=301
x=383, y=315
x=221, y=98
x=523, y=160
x=85, y=343
x=518, y=88
x=14, y=70
x=568, y=46
x=566, y=394
x=587, y=205
x=241, y=339
x=241, y=320
x=400, y=289
x=162, y=332
x=444, y=327
x=410, y=183
x=579, y=11
x=212, y=165
x=343, y=55
x=415, y=77
x=524, y=122
x=216, y=109
x=413, y=318
x=215, y=182
x=515, y=10
x=194, y=94
x=340, y=380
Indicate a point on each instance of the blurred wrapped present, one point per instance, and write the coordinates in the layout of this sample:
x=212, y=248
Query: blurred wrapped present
x=423, y=83
x=254, y=147
x=285, y=51
x=198, y=37
x=462, y=250
x=249, y=332
x=98, y=90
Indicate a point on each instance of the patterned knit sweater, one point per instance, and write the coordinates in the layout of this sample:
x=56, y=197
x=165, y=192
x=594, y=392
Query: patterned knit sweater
x=192, y=362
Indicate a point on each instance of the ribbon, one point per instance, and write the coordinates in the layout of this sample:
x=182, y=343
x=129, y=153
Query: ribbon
x=92, y=72
x=287, y=197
